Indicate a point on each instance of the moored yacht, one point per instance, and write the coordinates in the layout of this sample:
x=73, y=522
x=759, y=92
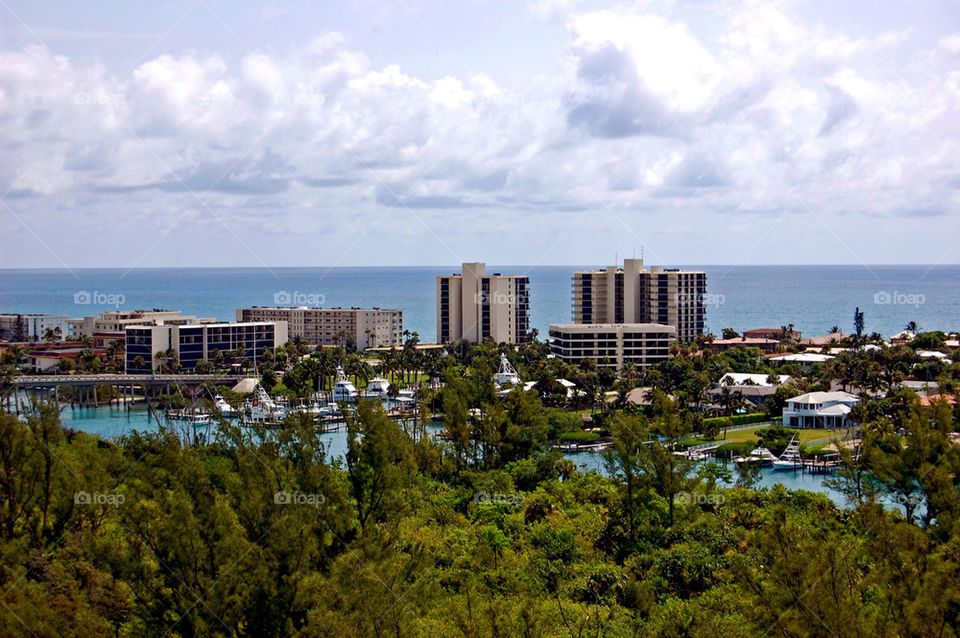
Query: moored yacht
x=343, y=390
x=760, y=455
x=377, y=388
x=790, y=459
x=225, y=409
x=505, y=376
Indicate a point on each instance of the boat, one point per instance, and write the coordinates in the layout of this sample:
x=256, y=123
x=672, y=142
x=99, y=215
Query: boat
x=263, y=409
x=693, y=455
x=505, y=376
x=343, y=390
x=225, y=409
x=760, y=455
x=790, y=459
x=377, y=388
x=193, y=416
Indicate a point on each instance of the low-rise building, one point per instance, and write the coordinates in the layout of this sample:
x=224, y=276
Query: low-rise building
x=804, y=359
x=360, y=328
x=32, y=327
x=780, y=334
x=767, y=345
x=194, y=343
x=747, y=378
x=50, y=359
x=612, y=344
x=819, y=410
x=118, y=320
x=825, y=340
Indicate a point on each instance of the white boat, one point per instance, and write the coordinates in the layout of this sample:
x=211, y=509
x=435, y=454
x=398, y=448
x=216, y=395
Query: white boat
x=377, y=388
x=343, y=390
x=693, y=455
x=790, y=459
x=506, y=374
x=760, y=455
x=193, y=416
x=506, y=378
x=225, y=409
x=263, y=409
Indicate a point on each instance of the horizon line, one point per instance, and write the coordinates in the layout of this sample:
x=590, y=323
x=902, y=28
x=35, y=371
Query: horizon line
x=518, y=265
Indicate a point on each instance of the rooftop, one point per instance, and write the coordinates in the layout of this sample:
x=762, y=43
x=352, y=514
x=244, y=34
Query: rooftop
x=802, y=357
x=825, y=397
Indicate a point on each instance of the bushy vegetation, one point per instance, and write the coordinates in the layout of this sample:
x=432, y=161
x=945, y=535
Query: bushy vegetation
x=486, y=530
x=261, y=533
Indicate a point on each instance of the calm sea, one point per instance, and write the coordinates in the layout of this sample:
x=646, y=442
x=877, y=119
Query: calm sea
x=812, y=298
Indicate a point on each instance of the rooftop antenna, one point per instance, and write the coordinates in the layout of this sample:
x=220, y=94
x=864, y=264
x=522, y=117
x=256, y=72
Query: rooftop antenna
x=616, y=259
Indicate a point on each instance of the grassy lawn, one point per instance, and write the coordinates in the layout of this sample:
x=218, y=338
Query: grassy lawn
x=750, y=434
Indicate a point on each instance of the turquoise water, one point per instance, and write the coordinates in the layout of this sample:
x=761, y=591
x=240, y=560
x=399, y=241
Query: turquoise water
x=791, y=479
x=813, y=298
x=112, y=422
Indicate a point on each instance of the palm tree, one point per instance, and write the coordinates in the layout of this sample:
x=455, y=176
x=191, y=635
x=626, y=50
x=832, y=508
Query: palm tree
x=912, y=326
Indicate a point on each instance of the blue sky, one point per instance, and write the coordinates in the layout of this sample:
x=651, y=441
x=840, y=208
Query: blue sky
x=550, y=132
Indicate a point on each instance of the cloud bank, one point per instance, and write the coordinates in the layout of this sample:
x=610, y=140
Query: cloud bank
x=653, y=130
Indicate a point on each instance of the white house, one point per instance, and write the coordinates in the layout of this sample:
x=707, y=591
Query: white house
x=805, y=359
x=569, y=385
x=747, y=378
x=819, y=410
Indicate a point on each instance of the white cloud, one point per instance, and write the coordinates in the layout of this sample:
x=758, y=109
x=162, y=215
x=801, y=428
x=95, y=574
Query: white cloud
x=653, y=113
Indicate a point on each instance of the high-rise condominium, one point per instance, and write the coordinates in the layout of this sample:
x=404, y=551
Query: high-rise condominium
x=474, y=306
x=634, y=295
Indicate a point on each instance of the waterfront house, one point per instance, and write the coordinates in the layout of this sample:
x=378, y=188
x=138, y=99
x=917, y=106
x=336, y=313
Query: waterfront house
x=748, y=378
x=819, y=410
x=768, y=345
x=804, y=359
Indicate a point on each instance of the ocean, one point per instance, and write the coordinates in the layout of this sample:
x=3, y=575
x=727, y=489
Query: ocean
x=812, y=298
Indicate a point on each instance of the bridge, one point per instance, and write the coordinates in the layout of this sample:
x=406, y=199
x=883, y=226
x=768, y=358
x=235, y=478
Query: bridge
x=87, y=389
x=88, y=380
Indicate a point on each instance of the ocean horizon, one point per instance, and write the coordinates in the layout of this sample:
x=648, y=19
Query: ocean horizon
x=812, y=298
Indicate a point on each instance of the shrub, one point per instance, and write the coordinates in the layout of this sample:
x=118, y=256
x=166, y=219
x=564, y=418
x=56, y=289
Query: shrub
x=579, y=436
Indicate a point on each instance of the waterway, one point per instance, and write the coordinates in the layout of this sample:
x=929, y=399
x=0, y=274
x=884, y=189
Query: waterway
x=113, y=422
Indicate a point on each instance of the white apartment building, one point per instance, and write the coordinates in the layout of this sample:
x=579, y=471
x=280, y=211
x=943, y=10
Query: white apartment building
x=31, y=327
x=118, y=320
x=632, y=294
x=356, y=327
x=474, y=306
x=612, y=344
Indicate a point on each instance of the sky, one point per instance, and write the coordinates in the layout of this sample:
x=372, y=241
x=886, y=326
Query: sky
x=208, y=133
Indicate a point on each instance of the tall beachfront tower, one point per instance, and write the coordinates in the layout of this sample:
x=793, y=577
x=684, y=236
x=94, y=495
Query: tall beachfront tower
x=474, y=306
x=632, y=294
